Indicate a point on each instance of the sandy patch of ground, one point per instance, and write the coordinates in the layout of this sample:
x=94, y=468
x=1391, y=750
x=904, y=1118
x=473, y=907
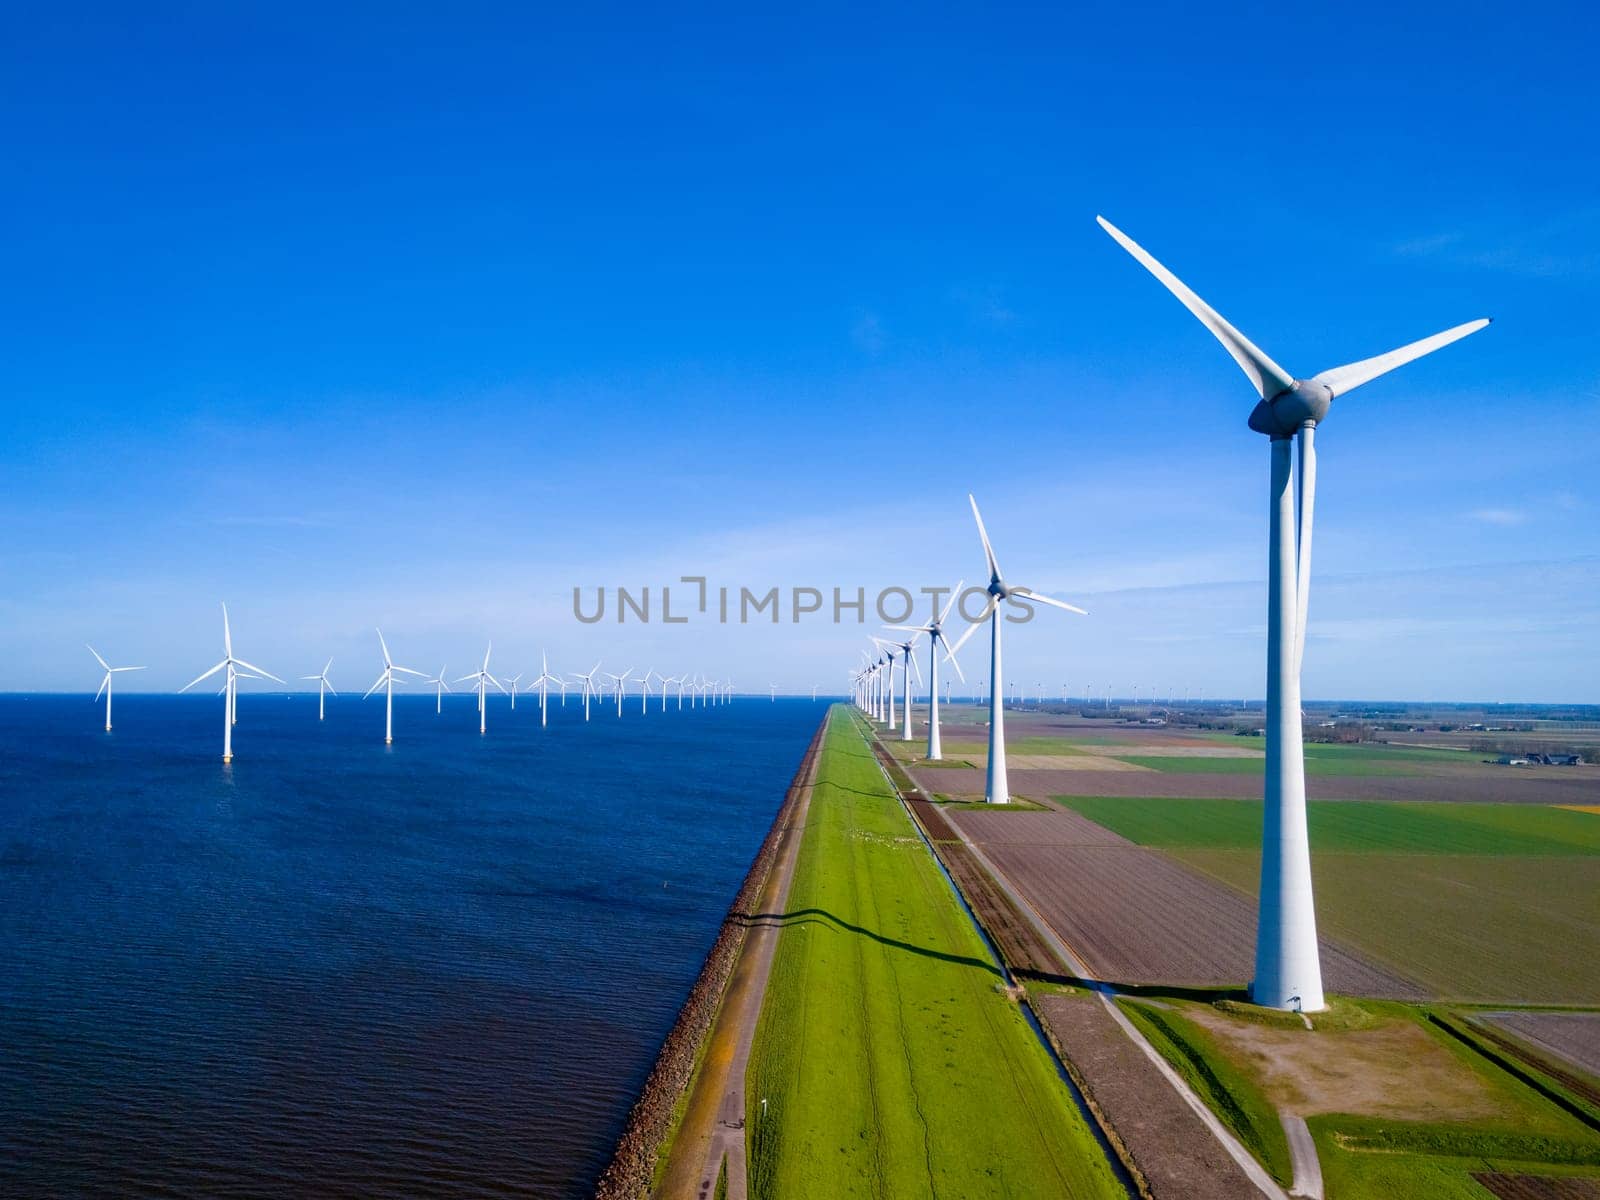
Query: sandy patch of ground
x=1070, y=762
x=1395, y=1069
x=1183, y=750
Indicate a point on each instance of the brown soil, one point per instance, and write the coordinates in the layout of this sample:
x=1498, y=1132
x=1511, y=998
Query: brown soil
x=1538, y=1187
x=1395, y=1069
x=1574, y=1036
x=1158, y=1133
x=1136, y=916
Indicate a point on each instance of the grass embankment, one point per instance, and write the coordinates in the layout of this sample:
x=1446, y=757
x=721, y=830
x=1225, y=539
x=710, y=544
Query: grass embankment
x=892, y=1061
x=1229, y=1092
x=1360, y=1078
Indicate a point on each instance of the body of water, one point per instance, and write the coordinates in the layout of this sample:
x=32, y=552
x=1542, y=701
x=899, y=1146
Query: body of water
x=339, y=968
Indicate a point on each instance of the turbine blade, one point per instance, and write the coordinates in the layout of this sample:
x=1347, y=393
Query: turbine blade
x=377, y=685
x=386, y=660
x=988, y=550
x=114, y=669
x=227, y=633
x=1307, y=479
x=97, y=657
x=409, y=671
x=976, y=625
x=104, y=683
x=1347, y=378
x=1268, y=376
x=204, y=677
x=917, y=667
x=951, y=603
x=910, y=628
x=1035, y=596
x=259, y=671
x=950, y=658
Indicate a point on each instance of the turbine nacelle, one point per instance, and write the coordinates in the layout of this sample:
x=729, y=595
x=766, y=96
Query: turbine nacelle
x=1284, y=414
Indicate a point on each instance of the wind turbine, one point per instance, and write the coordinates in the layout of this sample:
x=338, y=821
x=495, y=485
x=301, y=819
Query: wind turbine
x=621, y=681
x=230, y=686
x=514, y=680
x=323, y=688
x=644, y=690
x=665, y=680
x=1288, y=972
x=887, y=649
x=907, y=664
x=588, y=686
x=482, y=679
x=386, y=681
x=105, y=684
x=935, y=631
x=543, y=684
x=996, y=788
x=440, y=687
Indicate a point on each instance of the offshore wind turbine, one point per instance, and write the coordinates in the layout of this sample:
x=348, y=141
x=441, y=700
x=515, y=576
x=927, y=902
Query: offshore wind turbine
x=386, y=681
x=543, y=684
x=481, y=679
x=935, y=631
x=1288, y=971
x=621, y=682
x=588, y=686
x=323, y=688
x=644, y=690
x=440, y=687
x=996, y=789
x=514, y=680
x=230, y=686
x=105, y=684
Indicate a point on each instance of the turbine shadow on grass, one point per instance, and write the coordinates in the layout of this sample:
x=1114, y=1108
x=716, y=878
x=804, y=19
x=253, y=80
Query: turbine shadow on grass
x=819, y=916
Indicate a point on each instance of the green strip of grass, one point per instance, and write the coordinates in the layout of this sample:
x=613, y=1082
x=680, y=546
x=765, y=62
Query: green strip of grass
x=1236, y=1099
x=891, y=1059
x=1350, y=825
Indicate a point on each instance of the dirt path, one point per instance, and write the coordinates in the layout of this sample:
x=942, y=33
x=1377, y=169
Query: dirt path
x=712, y=1129
x=1303, y=1154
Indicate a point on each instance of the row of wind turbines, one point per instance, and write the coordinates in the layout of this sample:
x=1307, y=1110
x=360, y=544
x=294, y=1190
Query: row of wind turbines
x=702, y=692
x=1288, y=410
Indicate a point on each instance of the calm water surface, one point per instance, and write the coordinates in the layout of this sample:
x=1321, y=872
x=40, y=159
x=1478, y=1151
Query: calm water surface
x=440, y=968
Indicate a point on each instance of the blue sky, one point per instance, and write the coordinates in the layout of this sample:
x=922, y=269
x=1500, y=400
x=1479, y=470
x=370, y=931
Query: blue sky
x=378, y=316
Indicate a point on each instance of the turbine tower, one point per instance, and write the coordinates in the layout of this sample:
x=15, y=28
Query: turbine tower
x=543, y=684
x=1288, y=972
x=996, y=790
x=105, y=684
x=622, y=686
x=907, y=665
x=386, y=681
x=230, y=687
x=935, y=631
x=323, y=688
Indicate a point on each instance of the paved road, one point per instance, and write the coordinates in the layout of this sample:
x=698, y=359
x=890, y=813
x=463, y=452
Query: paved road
x=1303, y=1154
x=713, y=1123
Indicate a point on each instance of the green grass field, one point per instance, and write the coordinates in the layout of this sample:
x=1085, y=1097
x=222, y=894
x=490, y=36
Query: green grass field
x=891, y=1060
x=1351, y=825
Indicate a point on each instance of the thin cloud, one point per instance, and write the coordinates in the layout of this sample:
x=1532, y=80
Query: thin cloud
x=1504, y=517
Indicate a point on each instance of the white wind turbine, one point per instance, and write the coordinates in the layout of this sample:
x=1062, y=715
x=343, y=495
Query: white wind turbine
x=440, y=687
x=588, y=686
x=644, y=690
x=996, y=789
x=621, y=685
x=935, y=631
x=514, y=681
x=481, y=679
x=907, y=665
x=1288, y=971
x=323, y=687
x=543, y=684
x=105, y=684
x=230, y=687
x=386, y=681
x=666, y=681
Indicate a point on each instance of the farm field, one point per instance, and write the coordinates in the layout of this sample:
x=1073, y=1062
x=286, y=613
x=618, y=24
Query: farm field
x=1573, y=1036
x=1135, y=915
x=1474, y=927
x=886, y=1025
x=1397, y=1107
